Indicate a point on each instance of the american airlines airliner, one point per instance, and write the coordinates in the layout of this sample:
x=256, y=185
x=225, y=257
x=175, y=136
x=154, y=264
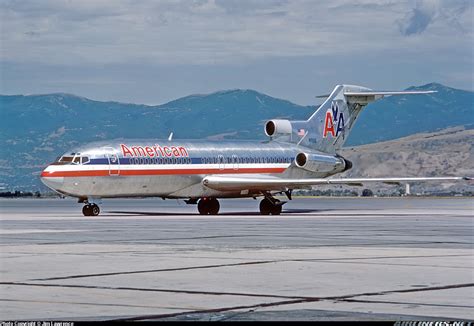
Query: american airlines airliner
x=297, y=155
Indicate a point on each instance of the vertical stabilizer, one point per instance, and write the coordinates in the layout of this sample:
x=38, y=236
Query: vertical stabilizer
x=329, y=126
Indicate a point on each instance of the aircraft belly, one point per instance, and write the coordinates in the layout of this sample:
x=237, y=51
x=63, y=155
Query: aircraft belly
x=125, y=186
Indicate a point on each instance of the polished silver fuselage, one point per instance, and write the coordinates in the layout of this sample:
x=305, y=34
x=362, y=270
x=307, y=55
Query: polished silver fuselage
x=171, y=169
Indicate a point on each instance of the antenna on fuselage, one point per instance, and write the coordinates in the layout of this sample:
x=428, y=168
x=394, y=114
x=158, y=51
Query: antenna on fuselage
x=170, y=137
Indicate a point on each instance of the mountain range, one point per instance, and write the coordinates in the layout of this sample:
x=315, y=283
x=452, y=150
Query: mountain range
x=35, y=129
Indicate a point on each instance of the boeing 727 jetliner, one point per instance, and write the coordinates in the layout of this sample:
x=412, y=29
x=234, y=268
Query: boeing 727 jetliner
x=298, y=154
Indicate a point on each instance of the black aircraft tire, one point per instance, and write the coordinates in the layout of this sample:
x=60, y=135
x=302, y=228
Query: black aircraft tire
x=214, y=207
x=87, y=210
x=203, y=206
x=276, y=209
x=95, y=210
x=265, y=207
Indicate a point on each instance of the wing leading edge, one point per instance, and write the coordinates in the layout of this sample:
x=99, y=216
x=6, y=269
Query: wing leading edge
x=231, y=183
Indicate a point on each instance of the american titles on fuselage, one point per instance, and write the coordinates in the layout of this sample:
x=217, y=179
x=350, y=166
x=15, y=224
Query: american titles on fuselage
x=154, y=151
x=333, y=117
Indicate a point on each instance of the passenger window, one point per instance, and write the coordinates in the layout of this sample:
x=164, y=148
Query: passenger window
x=85, y=160
x=77, y=160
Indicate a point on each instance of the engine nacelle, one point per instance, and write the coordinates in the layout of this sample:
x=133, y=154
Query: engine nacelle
x=278, y=127
x=322, y=163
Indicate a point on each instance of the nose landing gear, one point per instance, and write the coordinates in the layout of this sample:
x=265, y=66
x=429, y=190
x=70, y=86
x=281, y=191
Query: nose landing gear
x=208, y=206
x=91, y=210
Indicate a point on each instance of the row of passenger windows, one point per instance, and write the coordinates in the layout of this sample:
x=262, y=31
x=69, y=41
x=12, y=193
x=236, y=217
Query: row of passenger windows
x=209, y=160
x=159, y=160
x=243, y=160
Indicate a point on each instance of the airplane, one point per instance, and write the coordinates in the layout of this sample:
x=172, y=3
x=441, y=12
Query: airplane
x=297, y=155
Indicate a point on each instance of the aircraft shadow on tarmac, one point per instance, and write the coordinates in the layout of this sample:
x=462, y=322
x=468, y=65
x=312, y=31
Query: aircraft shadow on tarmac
x=131, y=213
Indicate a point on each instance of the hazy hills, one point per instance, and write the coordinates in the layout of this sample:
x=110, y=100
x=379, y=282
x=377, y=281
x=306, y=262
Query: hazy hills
x=449, y=152
x=35, y=129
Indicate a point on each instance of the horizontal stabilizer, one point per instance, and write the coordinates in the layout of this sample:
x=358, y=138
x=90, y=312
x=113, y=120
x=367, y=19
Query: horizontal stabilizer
x=386, y=93
x=365, y=97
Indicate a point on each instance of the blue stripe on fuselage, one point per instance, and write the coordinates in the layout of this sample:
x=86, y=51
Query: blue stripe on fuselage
x=195, y=160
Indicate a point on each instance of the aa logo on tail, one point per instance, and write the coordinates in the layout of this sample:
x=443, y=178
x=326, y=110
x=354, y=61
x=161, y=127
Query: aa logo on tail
x=334, y=121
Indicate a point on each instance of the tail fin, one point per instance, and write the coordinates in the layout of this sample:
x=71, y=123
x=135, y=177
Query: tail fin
x=329, y=126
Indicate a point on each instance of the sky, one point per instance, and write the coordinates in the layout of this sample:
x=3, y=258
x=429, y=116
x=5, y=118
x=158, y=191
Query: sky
x=152, y=52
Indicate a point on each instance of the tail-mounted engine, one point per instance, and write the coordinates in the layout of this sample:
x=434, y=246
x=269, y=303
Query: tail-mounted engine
x=278, y=127
x=322, y=163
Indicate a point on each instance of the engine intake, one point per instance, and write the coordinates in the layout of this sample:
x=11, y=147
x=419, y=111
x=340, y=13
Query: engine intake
x=278, y=127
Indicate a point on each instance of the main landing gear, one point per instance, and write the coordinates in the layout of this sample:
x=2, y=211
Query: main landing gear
x=91, y=210
x=208, y=206
x=270, y=205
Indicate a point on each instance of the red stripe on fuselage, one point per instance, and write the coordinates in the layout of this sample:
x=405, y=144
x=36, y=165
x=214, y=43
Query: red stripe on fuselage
x=106, y=173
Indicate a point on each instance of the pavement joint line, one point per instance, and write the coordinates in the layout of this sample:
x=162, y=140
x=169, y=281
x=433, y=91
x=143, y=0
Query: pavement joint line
x=295, y=300
x=100, y=287
x=187, y=244
x=333, y=260
x=408, y=303
x=290, y=302
x=306, y=298
x=236, y=264
x=156, y=270
x=399, y=264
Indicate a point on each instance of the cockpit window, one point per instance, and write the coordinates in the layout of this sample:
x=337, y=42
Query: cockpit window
x=65, y=159
x=71, y=159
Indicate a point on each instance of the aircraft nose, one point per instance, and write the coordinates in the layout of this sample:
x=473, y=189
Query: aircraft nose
x=50, y=180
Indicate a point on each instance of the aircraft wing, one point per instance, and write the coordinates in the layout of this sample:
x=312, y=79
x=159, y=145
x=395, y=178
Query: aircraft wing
x=232, y=183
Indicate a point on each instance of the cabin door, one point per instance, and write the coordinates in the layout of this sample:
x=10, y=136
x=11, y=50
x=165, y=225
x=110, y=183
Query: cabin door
x=114, y=161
